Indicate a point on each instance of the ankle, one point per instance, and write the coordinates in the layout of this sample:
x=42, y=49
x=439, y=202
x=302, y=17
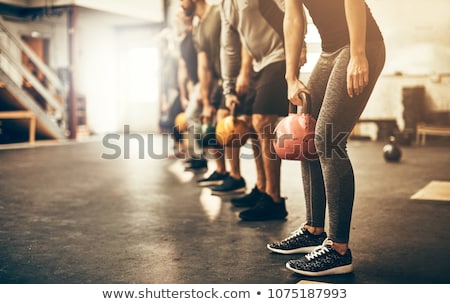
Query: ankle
x=235, y=175
x=314, y=230
x=341, y=248
x=260, y=187
x=275, y=198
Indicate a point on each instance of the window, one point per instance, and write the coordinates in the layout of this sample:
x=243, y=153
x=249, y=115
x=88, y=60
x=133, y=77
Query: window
x=142, y=75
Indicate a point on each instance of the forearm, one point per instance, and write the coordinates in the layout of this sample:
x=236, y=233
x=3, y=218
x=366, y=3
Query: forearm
x=183, y=80
x=205, y=79
x=246, y=63
x=230, y=53
x=355, y=11
x=243, y=79
x=294, y=23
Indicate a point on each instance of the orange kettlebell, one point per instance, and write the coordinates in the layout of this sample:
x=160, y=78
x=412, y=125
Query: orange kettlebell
x=232, y=131
x=180, y=122
x=295, y=133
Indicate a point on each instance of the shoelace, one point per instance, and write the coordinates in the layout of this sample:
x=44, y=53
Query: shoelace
x=298, y=231
x=319, y=250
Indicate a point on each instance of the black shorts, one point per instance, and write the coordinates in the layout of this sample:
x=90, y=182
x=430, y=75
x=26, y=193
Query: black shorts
x=271, y=90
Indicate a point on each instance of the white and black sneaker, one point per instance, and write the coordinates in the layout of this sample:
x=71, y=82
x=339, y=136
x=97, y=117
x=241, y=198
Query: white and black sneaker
x=300, y=241
x=323, y=260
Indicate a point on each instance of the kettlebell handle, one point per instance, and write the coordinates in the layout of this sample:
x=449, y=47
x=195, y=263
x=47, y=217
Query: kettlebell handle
x=233, y=109
x=306, y=107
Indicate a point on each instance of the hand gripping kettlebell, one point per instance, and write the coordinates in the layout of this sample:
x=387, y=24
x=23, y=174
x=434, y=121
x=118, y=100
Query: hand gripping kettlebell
x=295, y=133
x=232, y=130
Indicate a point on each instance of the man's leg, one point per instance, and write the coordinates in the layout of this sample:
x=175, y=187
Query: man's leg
x=265, y=125
x=270, y=103
x=218, y=154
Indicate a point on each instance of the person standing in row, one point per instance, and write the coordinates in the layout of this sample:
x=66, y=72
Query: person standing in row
x=257, y=25
x=206, y=36
x=352, y=58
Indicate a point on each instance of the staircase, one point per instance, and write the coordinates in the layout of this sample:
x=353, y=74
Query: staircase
x=30, y=93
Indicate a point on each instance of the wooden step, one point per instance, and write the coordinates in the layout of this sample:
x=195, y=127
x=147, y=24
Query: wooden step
x=22, y=115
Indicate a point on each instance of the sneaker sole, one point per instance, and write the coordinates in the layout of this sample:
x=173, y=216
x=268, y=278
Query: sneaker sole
x=210, y=183
x=337, y=270
x=230, y=192
x=292, y=251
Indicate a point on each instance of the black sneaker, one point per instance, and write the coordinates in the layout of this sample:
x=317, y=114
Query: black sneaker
x=197, y=164
x=248, y=200
x=323, y=260
x=215, y=178
x=230, y=185
x=195, y=157
x=300, y=241
x=265, y=209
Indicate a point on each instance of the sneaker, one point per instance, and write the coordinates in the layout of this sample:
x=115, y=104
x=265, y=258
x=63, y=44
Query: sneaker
x=215, y=178
x=265, y=209
x=248, y=200
x=197, y=164
x=194, y=158
x=323, y=260
x=300, y=241
x=230, y=185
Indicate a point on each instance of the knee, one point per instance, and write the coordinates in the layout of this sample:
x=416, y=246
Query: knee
x=330, y=144
x=264, y=125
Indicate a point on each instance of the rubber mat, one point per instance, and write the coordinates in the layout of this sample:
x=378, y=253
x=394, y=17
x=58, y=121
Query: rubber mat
x=434, y=191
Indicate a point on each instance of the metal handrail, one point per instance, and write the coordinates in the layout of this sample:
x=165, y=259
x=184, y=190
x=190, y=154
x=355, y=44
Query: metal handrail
x=49, y=74
x=54, y=83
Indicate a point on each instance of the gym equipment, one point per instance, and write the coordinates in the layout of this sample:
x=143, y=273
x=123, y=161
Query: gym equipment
x=295, y=133
x=180, y=122
x=232, y=130
x=206, y=135
x=391, y=151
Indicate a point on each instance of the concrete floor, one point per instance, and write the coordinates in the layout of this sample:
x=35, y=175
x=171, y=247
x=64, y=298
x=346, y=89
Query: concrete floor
x=69, y=216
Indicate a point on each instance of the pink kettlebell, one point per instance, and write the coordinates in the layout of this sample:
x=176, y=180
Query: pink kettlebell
x=295, y=133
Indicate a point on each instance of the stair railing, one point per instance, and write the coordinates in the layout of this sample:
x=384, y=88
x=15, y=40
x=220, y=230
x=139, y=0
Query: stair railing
x=11, y=48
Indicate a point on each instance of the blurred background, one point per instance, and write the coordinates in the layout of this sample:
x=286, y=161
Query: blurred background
x=81, y=68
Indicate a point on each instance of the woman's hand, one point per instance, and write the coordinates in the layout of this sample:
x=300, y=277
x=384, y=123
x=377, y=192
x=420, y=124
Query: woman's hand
x=357, y=75
x=295, y=87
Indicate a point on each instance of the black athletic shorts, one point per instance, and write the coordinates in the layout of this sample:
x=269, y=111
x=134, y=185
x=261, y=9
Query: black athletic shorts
x=271, y=90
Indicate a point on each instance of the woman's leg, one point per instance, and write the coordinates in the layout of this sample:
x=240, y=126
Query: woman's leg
x=338, y=115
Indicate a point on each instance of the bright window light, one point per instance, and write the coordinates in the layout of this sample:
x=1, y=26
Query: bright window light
x=142, y=75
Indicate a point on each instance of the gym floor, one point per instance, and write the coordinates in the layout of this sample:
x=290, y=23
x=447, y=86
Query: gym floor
x=68, y=215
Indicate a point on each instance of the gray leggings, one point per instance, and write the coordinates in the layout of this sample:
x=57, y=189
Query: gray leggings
x=330, y=180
